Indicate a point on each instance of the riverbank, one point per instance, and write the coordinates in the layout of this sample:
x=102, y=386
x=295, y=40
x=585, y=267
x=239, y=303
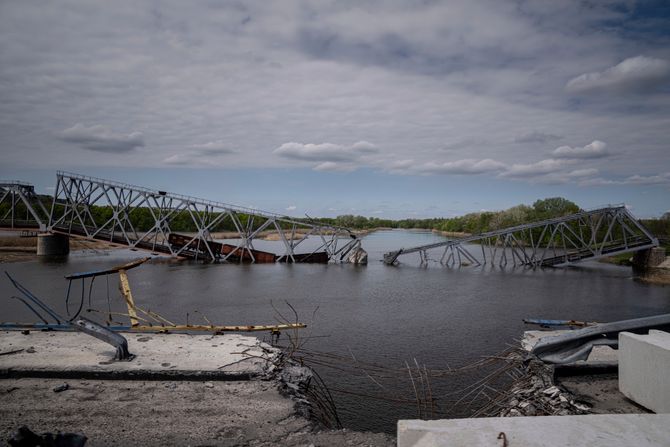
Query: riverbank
x=659, y=275
x=178, y=390
x=17, y=248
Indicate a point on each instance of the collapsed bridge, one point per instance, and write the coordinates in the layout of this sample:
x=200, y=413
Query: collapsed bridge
x=146, y=219
x=586, y=235
x=24, y=208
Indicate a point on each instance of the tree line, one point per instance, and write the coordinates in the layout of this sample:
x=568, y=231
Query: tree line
x=142, y=219
x=469, y=223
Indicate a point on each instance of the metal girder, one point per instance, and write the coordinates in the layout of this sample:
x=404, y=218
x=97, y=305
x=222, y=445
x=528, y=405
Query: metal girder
x=76, y=323
x=109, y=211
x=572, y=346
x=14, y=193
x=554, y=242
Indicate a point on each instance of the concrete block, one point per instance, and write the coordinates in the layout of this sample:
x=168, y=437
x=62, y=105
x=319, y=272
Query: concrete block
x=644, y=363
x=602, y=430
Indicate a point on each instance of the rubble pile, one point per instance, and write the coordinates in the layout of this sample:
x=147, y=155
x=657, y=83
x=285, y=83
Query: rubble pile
x=294, y=382
x=537, y=395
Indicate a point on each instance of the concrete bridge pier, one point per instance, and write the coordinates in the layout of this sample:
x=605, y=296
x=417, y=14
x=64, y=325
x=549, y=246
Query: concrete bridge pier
x=49, y=244
x=651, y=257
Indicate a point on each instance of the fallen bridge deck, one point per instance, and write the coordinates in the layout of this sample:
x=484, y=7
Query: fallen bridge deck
x=559, y=241
x=146, y=219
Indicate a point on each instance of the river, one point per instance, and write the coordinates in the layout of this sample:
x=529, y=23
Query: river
x=389, y=315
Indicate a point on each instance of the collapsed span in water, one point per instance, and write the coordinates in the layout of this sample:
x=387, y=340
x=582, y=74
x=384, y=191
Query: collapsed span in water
x=141, y=218
x=586, y=235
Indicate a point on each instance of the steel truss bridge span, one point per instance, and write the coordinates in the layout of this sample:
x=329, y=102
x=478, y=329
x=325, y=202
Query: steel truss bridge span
x=24, y=207
x=142, y=218
x=561, y=241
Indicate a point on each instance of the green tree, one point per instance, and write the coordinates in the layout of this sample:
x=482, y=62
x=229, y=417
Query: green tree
x=553, y=207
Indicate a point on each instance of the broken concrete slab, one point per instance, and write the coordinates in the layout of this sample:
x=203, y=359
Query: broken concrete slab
x=196, y=392
x=640, y=430
x=193, y=357
x=160, y=413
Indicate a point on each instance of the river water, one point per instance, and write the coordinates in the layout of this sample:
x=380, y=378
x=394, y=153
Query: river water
x=442, y=317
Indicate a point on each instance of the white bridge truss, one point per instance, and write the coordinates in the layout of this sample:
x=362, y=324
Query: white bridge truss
x=554, y=242
x=33, y=213
x=78, y=198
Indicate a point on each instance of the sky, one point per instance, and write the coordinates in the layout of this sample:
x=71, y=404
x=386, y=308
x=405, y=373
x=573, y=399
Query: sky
x=390, y=109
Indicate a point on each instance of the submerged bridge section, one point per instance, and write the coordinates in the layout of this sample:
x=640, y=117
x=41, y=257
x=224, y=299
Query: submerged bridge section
x=147, y=219
x=554, y=242
x=21, y=207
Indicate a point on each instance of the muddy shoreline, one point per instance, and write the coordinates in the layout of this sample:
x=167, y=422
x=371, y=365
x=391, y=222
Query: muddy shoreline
x=15, y=248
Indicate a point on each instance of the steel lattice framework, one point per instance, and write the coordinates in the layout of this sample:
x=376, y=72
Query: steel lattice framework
x=555, y=242
x=14, y=193
x=78, y=201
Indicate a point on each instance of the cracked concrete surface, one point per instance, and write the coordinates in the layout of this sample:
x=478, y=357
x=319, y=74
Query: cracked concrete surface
x=153, y=413
x=179, y=390
x=72, y=353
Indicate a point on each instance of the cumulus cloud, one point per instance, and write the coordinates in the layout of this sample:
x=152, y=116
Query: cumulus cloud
x=183, y=158
x=218, y=147
x=100, y=138
x=402, y=164
x=640, y=73
x=326, y=152
x=466, y=166
x=544, y=171
x=291, y=208
x=598, y=181
x=657, y=179
x=580, y=173
x=206, y=154
x=434, y=82
x=660, y=179
x=595, y=149
x=364, y=147
x=336, y=166
x=329, y=156
x=535, y=169
x=577, y=175
x=536, y=137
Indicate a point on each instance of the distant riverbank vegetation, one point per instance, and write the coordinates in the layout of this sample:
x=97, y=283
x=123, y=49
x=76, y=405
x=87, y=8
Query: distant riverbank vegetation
x=143, y=219
x=469, y=223
x=481, y=222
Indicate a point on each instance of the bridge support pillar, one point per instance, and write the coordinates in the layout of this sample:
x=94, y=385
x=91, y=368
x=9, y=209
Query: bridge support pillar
x=52, y=244
x=651, y=257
